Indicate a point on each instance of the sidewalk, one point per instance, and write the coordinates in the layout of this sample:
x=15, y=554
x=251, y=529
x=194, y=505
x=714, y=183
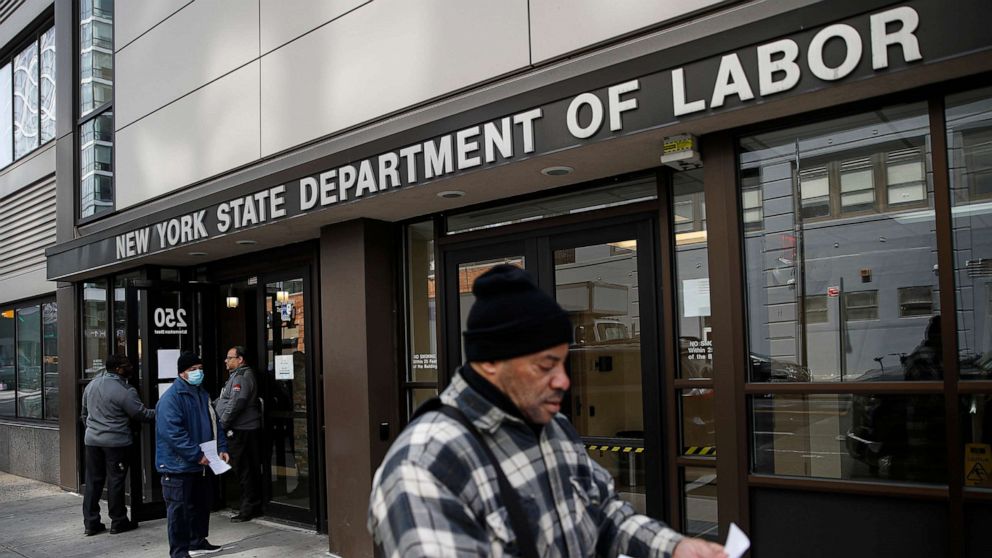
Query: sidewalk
x=38, y=520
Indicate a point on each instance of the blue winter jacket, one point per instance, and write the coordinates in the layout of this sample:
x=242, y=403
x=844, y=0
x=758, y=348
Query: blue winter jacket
x=182, y=423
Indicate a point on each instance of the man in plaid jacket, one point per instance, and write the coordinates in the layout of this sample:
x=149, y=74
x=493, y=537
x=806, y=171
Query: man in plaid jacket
x=437, y=494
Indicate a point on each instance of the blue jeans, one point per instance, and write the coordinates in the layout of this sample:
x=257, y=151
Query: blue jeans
x=187, y=497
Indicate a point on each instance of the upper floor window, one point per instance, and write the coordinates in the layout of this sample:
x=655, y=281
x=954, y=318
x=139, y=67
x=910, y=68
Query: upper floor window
x=96, y=115
x=27, y=97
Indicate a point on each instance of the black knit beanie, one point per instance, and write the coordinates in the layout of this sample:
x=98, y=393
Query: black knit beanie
x=512, y=317
x=186, y=360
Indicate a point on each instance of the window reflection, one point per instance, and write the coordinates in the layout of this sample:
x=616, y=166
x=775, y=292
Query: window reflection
x=94, y=327
x=96, y=54
x=8, y=364
x=840, y=266
x=692, y=276
x=96, y=151
x=421, y=315
x=969, y=144
x=851, y=437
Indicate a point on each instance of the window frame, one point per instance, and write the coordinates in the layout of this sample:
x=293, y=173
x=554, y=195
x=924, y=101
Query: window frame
x=32, y=36
x=14, y=307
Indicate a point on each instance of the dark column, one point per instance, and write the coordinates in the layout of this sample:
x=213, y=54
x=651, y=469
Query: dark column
x=68, y=346
x=727, y=292
x=65, y=297
x=358, y=269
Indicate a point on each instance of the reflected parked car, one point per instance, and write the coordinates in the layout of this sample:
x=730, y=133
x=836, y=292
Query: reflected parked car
x=767, y=369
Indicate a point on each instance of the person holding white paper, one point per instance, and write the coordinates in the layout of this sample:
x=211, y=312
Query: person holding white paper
x=184, y=420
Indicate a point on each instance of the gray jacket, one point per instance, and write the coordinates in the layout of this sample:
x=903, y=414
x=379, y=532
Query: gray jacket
x=237, y=407
x=109, y=405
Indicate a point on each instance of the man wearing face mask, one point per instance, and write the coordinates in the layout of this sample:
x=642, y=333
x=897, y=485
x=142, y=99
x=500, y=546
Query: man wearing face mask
x=109, y=406
x=185, y=419
x=493, y=468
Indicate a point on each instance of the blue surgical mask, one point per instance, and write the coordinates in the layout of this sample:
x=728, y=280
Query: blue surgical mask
x=195, y=377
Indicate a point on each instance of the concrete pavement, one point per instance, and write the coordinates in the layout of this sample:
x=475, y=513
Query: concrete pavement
x=39, y=520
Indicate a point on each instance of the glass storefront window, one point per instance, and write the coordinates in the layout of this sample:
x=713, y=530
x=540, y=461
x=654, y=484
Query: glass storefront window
x=969, y=156
x=700, y=502
x=50, y=358
x=976, y=435
x=421, y=303
x=698, y=422
x=29, y=361
x=29, y=358
x=890, y=437
x=838, y=268
x=8, y=364
x=692, y=276
x=95, y=317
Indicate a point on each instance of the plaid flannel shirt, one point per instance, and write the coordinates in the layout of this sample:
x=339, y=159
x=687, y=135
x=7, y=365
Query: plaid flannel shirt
x=436, y=493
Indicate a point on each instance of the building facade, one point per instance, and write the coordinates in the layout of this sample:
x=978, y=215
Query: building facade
x=29, y=363
x=769, y=221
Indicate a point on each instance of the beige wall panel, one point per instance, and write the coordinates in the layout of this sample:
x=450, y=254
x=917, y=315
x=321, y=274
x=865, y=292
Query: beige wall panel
x=284, y=20
x=26, y=285
x=562, y=26
x=131, y=18
x=204, y=41
x=37, y=165
x=385, y=56
x=21, y=18
x=205, y=133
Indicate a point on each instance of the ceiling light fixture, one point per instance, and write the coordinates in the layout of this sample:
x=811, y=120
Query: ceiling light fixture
x=246, y=242
x=450, y=194
x=557, y=171
x=197, y=254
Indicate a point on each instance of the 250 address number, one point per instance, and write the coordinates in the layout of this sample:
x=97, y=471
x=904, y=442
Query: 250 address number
x=169, y=317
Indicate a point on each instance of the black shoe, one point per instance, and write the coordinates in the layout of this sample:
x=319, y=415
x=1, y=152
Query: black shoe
x=205, y=548
x=100, y=527
x=123, y=527
x=242, y=517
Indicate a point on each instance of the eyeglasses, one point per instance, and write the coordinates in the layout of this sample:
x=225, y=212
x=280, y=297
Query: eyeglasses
x=231, y=357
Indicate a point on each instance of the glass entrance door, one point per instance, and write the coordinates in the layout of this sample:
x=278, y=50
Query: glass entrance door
x=596, y=273
x=268, y=314
x=291, y=472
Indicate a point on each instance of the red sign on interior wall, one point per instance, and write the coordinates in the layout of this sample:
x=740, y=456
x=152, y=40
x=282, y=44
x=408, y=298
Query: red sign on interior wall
x=833, y=291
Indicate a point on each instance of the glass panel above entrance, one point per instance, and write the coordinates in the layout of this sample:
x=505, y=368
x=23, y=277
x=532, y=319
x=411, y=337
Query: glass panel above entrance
x=598, y=286
x=564, y=204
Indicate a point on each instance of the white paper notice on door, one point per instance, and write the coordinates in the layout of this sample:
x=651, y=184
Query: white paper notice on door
x=167, y=362
x=284, y=367
x=696, y=297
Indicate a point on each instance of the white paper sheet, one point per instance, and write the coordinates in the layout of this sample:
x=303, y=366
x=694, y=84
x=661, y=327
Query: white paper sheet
x=216, y=463
x=696, y=297
x=284, y=367
x=167, y=359
x=737, y=542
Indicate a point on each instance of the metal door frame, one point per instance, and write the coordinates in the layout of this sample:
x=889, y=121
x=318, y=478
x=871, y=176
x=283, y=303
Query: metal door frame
x=537, y=245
